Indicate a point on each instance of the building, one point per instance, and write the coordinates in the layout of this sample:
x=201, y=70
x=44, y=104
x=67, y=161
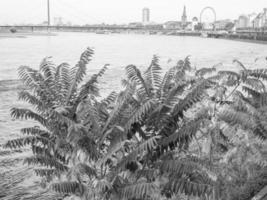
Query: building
x=243, y=21
x=135, y=25
x=194, y=23
x=184, y=17
x=221, y=24
x=172, y=25
x=260, y=20
x=145, y=15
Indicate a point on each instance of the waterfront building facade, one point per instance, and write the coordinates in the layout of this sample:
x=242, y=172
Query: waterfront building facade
x=172, y=25
x=221, y=24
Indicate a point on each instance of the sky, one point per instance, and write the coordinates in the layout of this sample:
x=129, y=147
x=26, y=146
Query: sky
x=120, y=11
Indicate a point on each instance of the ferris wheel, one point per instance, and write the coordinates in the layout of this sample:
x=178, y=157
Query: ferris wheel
x=208, y=16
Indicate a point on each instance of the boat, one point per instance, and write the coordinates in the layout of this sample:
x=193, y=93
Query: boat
x=102, y=32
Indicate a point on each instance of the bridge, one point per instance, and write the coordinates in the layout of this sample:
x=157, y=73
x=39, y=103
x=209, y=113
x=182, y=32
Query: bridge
x=71, y=28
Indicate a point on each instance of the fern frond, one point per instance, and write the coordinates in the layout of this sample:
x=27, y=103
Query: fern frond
x=167, y=82
x=140, y=113
x=204, y=71
x=183, y=135
x=255, y=84
x=195, y=95
x=258, y=73
x=30, y=77
x=233, y=117
x=240, y=64
x=142, y=149
x=45, y=161
x=109, y=99
x=46, y=172
x=134, y=75
x=233, y=78
x=62, y=81
x=152, y=74
x=26, y=96
x=189, y=188
x=178, y=166
x=30, y=140
x=85, y=169
x=68, y=188
x=112, y=150
x=88, y=113
x=140, y=190
x=35, y=131
x=90, y=86
x=78, y=72
x=89, y=146
x=24, y=113
x=48, y=69
x=172, y=97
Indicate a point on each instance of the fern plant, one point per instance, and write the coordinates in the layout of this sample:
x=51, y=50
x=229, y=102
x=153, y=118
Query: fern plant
x=55, y=93
x=147, y=141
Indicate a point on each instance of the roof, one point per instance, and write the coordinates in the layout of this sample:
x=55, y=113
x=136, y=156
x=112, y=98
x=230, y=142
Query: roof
x=173, y=22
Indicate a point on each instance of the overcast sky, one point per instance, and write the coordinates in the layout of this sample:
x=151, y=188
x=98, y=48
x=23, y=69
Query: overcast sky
x=120, y=11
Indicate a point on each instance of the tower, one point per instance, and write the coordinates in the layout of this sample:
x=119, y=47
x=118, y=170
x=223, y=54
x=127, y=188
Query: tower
x=184, y=17
x=48, y=13
x=145, y=15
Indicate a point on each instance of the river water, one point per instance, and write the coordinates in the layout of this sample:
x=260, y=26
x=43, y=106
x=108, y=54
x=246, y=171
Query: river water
x=118, y=50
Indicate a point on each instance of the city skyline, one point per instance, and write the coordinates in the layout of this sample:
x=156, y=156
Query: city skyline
x=119, y=11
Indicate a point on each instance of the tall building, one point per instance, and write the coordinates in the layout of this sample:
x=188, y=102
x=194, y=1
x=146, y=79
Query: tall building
x=243, y=21
x=145, y=15
x=184, y=17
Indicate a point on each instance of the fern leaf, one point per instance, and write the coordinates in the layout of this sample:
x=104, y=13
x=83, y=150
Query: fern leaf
x=90, y=86
x=258, y=73
x=79, y=71
x=45, y=161
x=30, y=77
x=45, y=172
x=26, y=96
x=189, y=188
x=134, y=75
x=152, y=74
x=140, y=150
x=195, y=95
x=141, y=190
x=183, y=135
x=140, y=113
x=203, y=71
x=23, y=113
x=68, y=188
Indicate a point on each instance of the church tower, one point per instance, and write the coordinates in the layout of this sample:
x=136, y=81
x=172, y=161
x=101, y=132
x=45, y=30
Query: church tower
x=184, y=17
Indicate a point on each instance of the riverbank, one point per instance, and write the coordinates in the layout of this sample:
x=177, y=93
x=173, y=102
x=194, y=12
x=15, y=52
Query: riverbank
x=24, y=34
x=243, y=40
